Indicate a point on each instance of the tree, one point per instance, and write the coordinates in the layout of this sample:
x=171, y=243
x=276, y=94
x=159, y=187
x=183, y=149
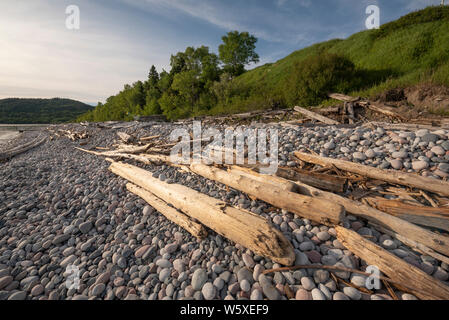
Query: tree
x=153, y=77
x=238, y=50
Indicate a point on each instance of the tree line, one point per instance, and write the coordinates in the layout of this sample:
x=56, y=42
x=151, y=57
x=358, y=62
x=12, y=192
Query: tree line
x=198, y=81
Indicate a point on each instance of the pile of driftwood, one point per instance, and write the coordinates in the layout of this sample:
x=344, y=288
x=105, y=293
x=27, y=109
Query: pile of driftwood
x=71, y=134
x=9, y=153
x=321, y=189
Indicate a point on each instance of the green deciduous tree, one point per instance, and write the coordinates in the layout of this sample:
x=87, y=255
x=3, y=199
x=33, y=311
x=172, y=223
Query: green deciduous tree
x=238, y=50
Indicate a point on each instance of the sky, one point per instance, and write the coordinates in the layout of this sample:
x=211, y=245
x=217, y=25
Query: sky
x=118, y=40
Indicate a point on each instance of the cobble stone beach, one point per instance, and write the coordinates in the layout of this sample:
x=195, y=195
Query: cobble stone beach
x=62, y=207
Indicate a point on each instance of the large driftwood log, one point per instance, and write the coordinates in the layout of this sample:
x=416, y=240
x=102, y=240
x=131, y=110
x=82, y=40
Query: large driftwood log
x=432, y=240
x=404, y=126
x=424, y=216
x=316, y=116
x=23, y=148
x=321, y=211
x=194, y=228
x=249, y=230
x=426, y=287
x=392, y=176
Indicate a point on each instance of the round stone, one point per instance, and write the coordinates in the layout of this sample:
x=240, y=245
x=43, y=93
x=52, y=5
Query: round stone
x=323, y=235
x=208, y=291
x=256, y=295
x=340, y=296
x=307, y=283
x=302, y=294
x=245, y=285
x=420, y=165
x=352, y=293
x=317, y=294
x=396, y=164
x=359, y=156
x=199, y=278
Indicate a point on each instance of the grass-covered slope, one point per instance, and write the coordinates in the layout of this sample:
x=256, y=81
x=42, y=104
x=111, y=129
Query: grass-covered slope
x=412, y=49
x=15, y=110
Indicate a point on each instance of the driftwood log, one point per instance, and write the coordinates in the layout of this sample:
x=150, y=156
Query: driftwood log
x=318, y=210
x=194, y=228
x=316, y=116
x=426, y=287
x=247, y=229
x=392, y=176
x=23, y=148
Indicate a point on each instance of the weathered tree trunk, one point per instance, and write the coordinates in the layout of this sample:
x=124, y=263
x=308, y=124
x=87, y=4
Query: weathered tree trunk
x=21, y=149
x=321, y=211
x=249, y=230
x=316, y=116
x=194, y=228
x=392, y=176
x=426, y=287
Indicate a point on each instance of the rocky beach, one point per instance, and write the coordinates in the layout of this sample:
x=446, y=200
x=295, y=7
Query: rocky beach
x=61, y=207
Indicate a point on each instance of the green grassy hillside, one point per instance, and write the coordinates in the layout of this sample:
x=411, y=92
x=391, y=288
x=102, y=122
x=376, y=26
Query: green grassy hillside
x=55, y=110
x=404, y=52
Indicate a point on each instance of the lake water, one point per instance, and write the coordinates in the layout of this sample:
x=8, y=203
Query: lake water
x=23, y=127
x=11, y=131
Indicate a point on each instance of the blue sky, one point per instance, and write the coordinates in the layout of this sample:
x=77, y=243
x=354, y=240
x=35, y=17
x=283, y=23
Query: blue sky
x=119, y=40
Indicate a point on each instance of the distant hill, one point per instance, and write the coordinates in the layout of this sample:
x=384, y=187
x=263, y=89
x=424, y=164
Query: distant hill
x=56, y=110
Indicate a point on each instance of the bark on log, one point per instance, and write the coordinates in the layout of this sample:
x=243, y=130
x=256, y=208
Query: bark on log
x=321, y=211
x=317, y=180
x=316, y=116
x=194, y=228
x=430, y=239
x=249, y=230
x=426, y=287
x=392, y=176
x=424, y=216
